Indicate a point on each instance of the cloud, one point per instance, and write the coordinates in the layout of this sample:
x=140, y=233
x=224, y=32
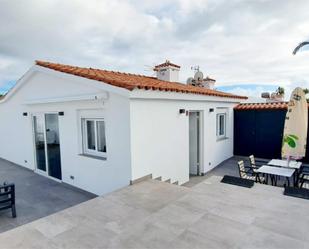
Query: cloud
x=235, y=42
x=253, y=91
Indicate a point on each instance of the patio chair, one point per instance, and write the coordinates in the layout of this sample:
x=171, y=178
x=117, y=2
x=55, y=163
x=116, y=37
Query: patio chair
x=7, y=198
x=303, y=179
x=252, y=163
x=248, y=173
x=255, y=164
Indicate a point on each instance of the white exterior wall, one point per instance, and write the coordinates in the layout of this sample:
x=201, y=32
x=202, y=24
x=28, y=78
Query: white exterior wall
x=160, y=136
x=94, y=175
x=145, y=133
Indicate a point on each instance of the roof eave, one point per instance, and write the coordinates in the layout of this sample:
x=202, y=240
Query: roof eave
x=141, y=93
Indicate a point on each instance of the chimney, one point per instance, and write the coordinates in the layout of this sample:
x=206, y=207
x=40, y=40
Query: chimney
x=209, y=83
x=167, y=71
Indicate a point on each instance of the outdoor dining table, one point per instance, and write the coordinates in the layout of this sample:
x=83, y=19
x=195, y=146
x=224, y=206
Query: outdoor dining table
x=291, y=165
x=274, y=172
x=284, y=163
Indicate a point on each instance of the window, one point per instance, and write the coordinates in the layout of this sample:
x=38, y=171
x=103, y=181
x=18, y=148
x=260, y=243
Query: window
x=221, y=125
x=93, y=133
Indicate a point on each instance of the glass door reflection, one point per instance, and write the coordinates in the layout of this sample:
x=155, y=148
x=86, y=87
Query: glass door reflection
x=39, y=138
x=47, y=144
x=53, y=145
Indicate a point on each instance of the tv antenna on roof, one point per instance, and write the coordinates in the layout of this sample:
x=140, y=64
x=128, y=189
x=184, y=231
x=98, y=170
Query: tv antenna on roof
x=190, y=81
x=198, y=75
x=149, y=68
x=196, y=68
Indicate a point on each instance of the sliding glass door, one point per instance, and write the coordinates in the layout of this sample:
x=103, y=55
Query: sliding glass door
x=39, y=139
x=47, y=144
x=53, y=145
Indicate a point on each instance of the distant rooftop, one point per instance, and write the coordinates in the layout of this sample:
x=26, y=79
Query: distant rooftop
x=262, y=106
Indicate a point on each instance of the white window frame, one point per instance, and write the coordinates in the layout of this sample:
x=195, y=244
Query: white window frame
x=222, y=136
x=86, y=150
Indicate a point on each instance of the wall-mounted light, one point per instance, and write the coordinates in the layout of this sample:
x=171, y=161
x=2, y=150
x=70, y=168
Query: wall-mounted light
x=25, y=113
x=211, y=109
x=61, y=113
x=182, y=111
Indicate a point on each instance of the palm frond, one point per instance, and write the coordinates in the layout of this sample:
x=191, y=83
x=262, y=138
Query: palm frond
x=300, y=46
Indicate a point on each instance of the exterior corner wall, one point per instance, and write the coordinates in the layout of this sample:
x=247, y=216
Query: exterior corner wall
x=159, y=141
x=93, y=175
x=218, y=150
x=160, y=137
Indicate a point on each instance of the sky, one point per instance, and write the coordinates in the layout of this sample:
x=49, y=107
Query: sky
x=245, y=45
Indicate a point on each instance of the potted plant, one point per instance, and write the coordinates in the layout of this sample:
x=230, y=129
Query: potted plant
x=280, y=93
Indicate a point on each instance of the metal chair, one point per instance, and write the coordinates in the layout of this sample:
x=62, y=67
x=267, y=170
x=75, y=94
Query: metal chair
x=256, y=163
x=253, y=163
x=7, y=198
x=303, y=178
x=249, y=173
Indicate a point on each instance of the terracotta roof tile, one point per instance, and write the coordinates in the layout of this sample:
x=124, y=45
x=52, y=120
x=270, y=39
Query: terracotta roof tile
x=133, y=81
x=165, y=64
x=262, y=106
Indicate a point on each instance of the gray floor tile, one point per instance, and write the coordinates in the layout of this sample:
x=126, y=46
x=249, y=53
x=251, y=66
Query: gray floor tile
x=152, y=214
x=36, y=196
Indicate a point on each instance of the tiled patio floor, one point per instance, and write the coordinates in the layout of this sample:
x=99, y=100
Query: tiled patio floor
x=228, y=167
x=154, y=214
x=36, y=196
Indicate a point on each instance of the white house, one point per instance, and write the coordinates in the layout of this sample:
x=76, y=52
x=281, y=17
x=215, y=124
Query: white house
x=100, y=130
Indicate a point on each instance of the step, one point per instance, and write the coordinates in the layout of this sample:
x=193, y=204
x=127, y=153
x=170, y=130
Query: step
x=141, y=179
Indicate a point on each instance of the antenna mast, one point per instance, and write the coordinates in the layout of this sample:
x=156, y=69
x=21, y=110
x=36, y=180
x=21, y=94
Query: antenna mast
x=195, y=68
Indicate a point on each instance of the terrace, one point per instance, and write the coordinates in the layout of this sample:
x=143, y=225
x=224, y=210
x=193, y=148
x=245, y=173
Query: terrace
x=36, y=195
x=203, y=214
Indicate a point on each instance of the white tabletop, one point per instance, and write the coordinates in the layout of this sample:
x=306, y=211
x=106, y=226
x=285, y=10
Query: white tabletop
x=279, y=171
x=284, y=163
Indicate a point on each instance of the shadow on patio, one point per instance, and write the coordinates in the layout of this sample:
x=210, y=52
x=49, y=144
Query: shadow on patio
x=36, y=195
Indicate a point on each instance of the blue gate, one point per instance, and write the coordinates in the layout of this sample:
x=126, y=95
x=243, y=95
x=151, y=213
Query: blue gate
x=259, y=132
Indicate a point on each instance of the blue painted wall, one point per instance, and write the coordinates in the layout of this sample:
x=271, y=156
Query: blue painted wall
x=260, y=132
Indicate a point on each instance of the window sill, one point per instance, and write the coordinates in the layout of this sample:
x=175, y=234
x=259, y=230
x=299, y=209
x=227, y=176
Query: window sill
x=222, y=138
x=93, y=157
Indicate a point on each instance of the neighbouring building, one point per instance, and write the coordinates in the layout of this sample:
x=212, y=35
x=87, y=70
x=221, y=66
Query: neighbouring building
x=100, y=130
x=258, y=130
x=272, y=97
